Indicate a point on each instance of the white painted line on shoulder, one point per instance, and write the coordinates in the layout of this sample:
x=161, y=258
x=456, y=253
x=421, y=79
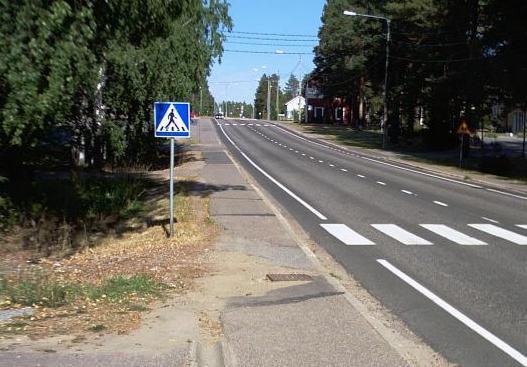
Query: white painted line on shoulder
x=490, y=337
x=507, y=193
x=381, y=183
x=422, y=173
x=453, y=235
x=440, y=203
x=501, y=233
x=490, y=220
x=407, y=192
x=275, y=181
x=524, y=226
x=400, y=234
x=346, y=235
x=344, y=170
x=361, y=176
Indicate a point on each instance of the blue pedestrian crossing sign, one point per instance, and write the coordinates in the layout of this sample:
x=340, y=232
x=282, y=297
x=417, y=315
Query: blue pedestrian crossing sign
x=172, y=119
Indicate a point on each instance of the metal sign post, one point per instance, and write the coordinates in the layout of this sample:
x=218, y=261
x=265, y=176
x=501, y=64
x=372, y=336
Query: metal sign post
x=172, y=120
x=171, y=187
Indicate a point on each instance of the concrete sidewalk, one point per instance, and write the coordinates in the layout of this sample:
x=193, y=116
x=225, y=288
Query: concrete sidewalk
x=300, y=323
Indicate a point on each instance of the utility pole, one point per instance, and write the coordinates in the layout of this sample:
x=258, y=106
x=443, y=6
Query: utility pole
x=268, y=98
x=277, y=94
x=200, y=101
x=385, y=91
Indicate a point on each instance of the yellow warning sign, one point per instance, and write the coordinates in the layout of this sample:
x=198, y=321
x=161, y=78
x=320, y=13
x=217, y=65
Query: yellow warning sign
x=463, y=128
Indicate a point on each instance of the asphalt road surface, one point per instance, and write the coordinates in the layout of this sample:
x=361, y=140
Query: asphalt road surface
x=448, y=257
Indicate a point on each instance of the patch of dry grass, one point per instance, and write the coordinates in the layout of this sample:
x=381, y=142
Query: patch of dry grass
x=172, y=262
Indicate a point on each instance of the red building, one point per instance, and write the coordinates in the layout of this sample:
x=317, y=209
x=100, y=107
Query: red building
x=325, y=109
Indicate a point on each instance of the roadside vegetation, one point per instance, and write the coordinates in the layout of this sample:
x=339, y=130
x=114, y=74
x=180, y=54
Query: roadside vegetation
x=82, y=218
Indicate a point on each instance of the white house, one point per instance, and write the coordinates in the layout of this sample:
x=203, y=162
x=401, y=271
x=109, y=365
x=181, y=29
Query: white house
x=293, y=106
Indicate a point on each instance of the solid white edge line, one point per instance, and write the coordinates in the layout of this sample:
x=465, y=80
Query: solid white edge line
x=497, y=342
x=271, y=178
x=506, y=193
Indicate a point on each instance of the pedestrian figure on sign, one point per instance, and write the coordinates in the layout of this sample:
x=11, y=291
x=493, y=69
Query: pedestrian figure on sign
x=171, y=121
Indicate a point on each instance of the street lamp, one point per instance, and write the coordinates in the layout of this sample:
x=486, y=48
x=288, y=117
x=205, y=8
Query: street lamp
x=385, y=91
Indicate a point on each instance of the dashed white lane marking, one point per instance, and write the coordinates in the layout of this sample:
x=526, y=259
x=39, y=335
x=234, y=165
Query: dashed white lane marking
x=493, y=339
x=501, y=233
x=234, y=124
x=407, y=192
x=452, y=235
x=226, y=124
x=346, y=235
x=381, y=183
x=400, y=234
x=290, y=148
x=319, y=161
x=296, y=151
x=311, y=157
x=344, y=170
x=490, y=220
x=303, y=153
x=361, y=176
x=331, y=165
x=275, y=181
x=524, y=226
x=258, y=125
x=249, y=124
x=440, y=203
x=242, y=124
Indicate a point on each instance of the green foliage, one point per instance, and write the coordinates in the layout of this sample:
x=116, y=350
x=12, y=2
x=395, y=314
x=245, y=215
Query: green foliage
x=37, y=287
x=448, y=59
x=260, y=98
x=95, y=67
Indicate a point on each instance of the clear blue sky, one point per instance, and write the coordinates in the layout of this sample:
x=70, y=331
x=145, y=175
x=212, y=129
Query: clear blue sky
x=235, y=78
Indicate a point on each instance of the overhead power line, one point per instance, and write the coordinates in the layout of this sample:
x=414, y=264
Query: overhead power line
x=270, y=44
x=276, y=34
x=275, y=39
x=278, y=52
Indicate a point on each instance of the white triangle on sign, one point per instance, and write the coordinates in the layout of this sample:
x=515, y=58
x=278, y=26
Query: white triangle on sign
x=171, y=121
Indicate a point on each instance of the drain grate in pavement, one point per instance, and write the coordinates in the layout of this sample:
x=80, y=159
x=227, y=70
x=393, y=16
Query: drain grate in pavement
x=288, y=277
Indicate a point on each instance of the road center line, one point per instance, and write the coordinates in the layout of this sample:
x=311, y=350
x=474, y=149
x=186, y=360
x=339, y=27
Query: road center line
x=497, y=342
x=272, y=179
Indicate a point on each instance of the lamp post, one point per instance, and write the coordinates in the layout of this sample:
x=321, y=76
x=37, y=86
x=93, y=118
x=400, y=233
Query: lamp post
x=385, y=91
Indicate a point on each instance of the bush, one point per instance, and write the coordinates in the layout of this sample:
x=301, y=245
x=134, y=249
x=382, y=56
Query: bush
x=500, y=165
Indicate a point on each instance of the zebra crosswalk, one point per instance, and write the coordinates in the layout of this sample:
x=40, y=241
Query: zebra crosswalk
x=350, y=237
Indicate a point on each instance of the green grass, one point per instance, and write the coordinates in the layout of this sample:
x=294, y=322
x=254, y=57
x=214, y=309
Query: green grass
x=40, y=288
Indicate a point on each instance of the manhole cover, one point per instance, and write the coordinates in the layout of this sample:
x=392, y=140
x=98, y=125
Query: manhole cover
x=288, y=277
